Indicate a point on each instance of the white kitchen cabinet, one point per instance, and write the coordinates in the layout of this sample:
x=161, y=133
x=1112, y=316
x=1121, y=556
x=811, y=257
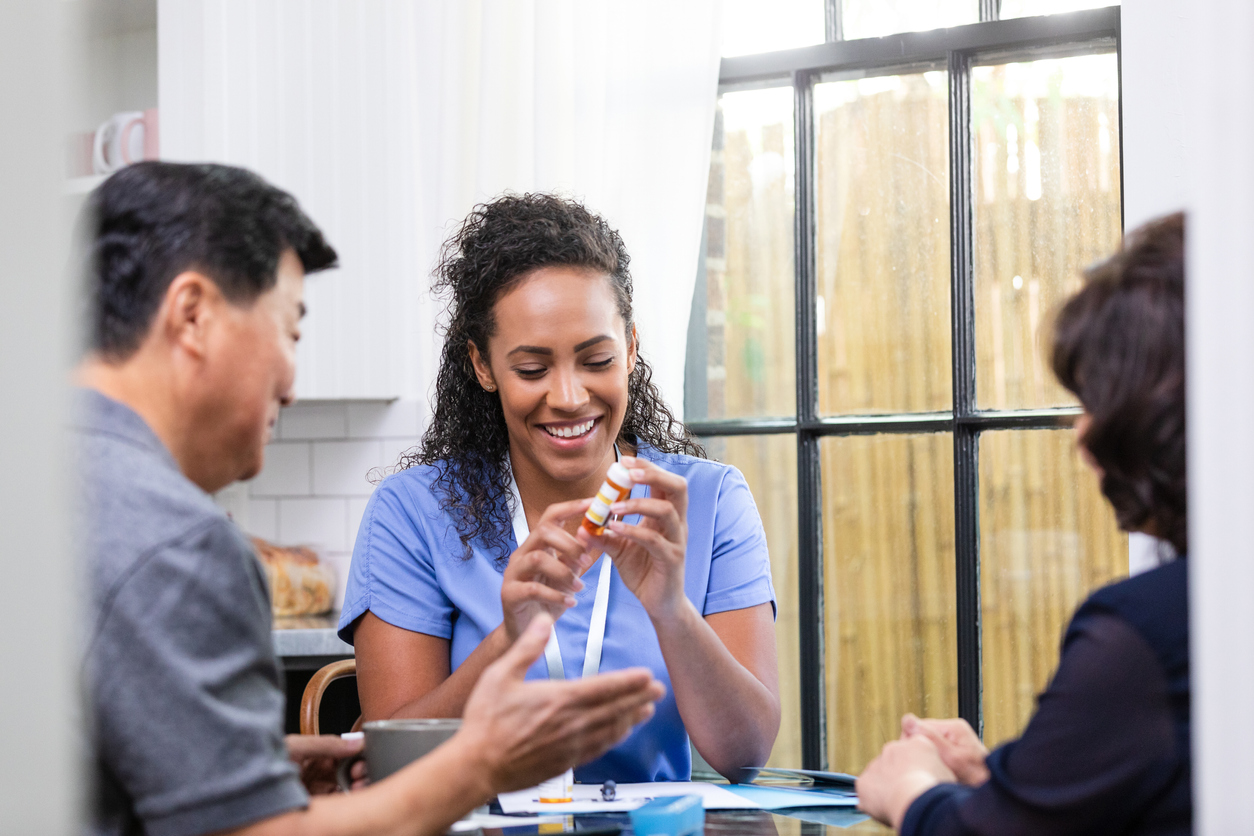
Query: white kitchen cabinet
x=318, y=96
x=116, y=68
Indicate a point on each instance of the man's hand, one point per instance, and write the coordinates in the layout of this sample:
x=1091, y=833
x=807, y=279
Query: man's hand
x=904, y=770
x=317, y=755
x=526, y=732
x=959, y=746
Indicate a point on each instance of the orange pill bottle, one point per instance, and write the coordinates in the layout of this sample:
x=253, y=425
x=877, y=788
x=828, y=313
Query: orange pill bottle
x=615, y=488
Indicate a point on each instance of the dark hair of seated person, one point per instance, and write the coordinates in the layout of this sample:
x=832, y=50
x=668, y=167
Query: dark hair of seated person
x=1119, y=347
x=152, y=221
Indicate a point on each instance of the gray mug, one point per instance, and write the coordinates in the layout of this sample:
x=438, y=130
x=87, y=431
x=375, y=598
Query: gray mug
x=391, y=745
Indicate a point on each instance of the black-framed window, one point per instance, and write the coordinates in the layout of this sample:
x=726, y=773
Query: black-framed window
x=890, y=222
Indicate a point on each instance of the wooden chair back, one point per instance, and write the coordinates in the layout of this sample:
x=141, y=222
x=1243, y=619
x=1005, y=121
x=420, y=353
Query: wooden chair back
x=311, y=700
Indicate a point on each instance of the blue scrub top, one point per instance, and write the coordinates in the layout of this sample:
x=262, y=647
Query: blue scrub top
x=408, y=569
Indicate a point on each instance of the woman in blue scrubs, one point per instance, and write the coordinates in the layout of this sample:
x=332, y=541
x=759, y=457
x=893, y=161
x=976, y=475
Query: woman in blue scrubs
x=541, y=388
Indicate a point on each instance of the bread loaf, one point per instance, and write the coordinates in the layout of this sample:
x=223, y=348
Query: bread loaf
x=300, y=583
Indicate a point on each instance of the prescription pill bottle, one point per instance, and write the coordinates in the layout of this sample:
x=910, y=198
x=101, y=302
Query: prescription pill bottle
x=559, y=790
x=615, y=488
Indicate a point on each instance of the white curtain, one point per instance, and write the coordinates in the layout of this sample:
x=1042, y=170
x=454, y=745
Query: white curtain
x=390, y=119
x=609, y=102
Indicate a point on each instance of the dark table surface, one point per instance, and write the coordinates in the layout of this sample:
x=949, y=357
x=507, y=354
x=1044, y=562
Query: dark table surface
x=821, y=821
x=307, y=643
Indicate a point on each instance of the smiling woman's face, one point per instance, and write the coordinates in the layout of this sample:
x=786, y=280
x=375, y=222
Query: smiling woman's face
x=559, y=360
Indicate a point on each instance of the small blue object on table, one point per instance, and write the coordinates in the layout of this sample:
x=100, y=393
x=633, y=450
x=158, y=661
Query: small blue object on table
x=680, y=815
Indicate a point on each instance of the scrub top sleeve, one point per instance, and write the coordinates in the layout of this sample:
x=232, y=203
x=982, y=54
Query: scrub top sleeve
x=740, y=565
x=393, y=573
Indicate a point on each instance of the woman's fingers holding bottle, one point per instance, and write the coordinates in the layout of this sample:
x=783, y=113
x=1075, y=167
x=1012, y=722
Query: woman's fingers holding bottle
x=559, y=512
x=661, y=513
x=540, y=560
x=650, y=560
x=662, y=483
x=652, y=541
x=552, y=527
x=543, y=573
x=549, y=545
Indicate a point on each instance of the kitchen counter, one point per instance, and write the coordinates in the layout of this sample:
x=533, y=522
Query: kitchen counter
x=309, y=642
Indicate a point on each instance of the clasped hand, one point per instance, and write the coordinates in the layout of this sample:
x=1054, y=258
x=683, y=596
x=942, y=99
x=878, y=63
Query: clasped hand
x=544, y=572
x=929, y=752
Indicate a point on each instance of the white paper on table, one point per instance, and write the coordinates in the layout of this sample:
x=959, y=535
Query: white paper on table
x=478, y=821
x=587, y=798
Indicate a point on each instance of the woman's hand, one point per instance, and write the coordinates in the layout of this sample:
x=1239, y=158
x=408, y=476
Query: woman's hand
x=543, y=573
x=650, y=555
x=904, y=770
x=959, y=746
x=524, y=732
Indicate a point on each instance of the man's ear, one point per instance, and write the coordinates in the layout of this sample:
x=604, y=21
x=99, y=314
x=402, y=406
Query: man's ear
x=480, y=363
x=633, y=344
x=187, y=311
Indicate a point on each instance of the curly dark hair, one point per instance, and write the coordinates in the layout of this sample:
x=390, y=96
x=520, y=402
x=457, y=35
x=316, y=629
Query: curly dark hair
x=1119, y=347
x=467, y=441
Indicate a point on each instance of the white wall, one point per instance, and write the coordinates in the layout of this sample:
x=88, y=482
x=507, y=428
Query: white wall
x=38, y=786
x=120, y=61
x=1218, y=76
x=1154, y=170
x=1188, y=113
x=1155, y=178
x=390, y=120
x=320, y=469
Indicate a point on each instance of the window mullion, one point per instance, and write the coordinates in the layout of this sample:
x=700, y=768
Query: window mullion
x=990, y=10
x=834, y=18
x=966, y=433
x=809, y=474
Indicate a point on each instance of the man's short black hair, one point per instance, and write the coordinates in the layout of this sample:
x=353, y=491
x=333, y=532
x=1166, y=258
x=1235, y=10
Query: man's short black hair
x=153, y=220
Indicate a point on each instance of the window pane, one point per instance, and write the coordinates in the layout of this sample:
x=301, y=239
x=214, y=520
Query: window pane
x=883, y=244
x=1046, y=168
x=769, y=464
x=888, y=554
x=875, y=18
x=740, y=338
x=1029, y=8
x=1047, y=539
x=753, y=26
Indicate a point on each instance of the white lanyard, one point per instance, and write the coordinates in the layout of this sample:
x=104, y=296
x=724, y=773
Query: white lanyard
x=600, y=607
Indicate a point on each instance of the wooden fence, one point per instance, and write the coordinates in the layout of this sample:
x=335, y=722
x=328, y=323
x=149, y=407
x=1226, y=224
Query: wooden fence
x=1047, y=203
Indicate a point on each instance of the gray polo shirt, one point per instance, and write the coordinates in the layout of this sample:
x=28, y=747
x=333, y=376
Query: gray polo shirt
x=184, y=704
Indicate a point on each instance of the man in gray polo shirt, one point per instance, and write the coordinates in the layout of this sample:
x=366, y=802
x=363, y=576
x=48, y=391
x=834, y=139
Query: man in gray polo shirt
x=196, y=277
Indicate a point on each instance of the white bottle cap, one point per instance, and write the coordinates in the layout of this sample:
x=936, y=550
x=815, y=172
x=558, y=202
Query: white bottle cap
x=619, y=475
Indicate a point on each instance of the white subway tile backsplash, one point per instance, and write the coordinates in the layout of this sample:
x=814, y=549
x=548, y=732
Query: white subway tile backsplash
x=312, y=421
x=319, y=522
x=263, y=519
x=356, y=510
x=234, y=500
x=340, y=564
x=385, y=419
x=340, y=468
x=285, y=473
x=394, y=447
